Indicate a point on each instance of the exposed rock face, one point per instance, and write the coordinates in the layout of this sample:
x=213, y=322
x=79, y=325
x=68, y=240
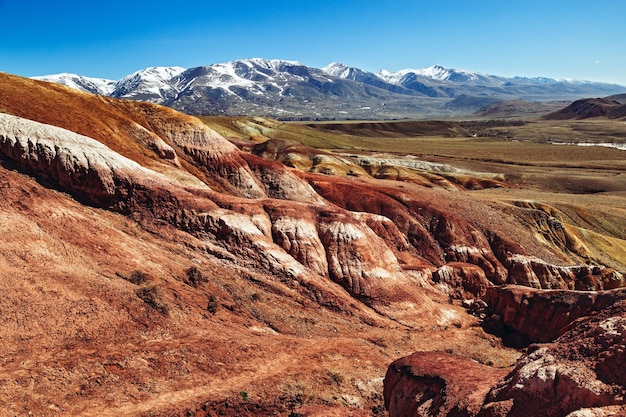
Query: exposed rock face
x=461, y=280
x=583, y=369
x=541, y=316
x=313, y=240
x=611, y=411
x=75, y=162
x=364, y=249
x=437, y=384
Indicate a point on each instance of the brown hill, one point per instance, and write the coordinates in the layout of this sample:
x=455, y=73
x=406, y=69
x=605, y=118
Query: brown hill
x=150, y=267
x=620, y=98
x=590, y=107
x=518, y=109
x=394, y=129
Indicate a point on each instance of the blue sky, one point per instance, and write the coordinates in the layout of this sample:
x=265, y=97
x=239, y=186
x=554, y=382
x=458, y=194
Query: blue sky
x=560, y=39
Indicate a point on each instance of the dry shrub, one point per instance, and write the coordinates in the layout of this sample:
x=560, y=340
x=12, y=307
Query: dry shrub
x=151, y=295
x=136, y=277
x=195, y=277
x=212, y=304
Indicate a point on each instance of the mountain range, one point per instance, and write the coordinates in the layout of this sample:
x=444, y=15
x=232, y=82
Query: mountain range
x=291, y=90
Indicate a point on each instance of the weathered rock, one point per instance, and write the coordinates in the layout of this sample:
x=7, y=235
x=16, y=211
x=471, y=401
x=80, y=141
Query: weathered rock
x=435, y=236
x=78, y=163
x=610, y=411
x=437, y=384
x=461, y=280
x=280, y=182
x=524, y=269
x=583, y=368
x=542, y=315
x=582, y=373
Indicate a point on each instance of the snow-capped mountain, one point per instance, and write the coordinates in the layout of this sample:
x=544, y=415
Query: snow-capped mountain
x=290, y=89
x=151, y=84
x=439, y=73
x=286, y=89
x=99, y=86
x=339, y=70
x=257, y=76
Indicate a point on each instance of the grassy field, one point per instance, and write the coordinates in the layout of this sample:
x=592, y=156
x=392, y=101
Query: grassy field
x=526, y=144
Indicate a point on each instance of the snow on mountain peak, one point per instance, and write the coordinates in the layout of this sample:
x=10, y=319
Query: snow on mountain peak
x=152, y=75
x=151, y=82
x=436, y=72
x=269, y=63
x=338, y=69
x=280, y=87
x=100, y=86
x=274, y=65
x=439, y=73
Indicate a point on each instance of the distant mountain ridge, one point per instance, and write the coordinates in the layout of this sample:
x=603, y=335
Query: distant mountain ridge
x=292, y=90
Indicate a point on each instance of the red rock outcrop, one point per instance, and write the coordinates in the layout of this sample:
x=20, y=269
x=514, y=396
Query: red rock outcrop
x=362, y=249
x=73, y=161
x=461, y=280
x=335, y=242
x=581, y=373
x=583, y=368
x=437, y=384
x=541, y=315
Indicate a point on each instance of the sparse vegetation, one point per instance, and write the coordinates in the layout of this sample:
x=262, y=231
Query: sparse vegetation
x=212, y=304
x=151, y=295
x=335, y=376
x=300, y=392
x=136, y=277
x=195, y=278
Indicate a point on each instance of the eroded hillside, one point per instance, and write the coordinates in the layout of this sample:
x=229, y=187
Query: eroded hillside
x=152, y=266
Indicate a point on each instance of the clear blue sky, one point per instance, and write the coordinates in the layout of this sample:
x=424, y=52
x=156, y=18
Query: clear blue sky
x=110, y=39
